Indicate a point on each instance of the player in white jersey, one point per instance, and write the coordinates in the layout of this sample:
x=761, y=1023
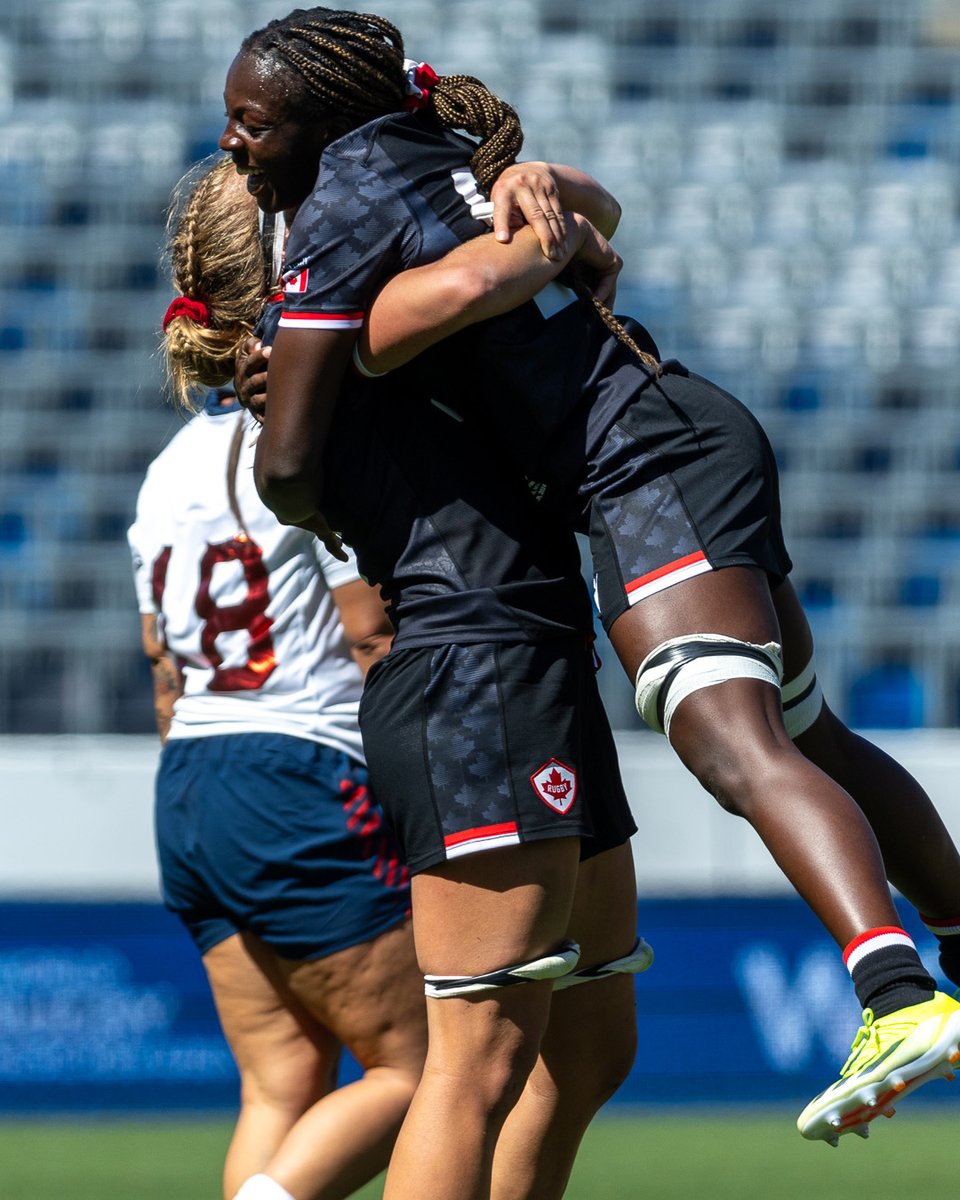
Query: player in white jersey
x=246, y=603
x=272, y=850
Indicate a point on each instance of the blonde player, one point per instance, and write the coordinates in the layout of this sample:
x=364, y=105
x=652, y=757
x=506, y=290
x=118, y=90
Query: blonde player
x=272, y=850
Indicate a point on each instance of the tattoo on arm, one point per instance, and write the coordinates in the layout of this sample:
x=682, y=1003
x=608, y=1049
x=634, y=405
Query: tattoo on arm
x=166, y=689
x=167, y=681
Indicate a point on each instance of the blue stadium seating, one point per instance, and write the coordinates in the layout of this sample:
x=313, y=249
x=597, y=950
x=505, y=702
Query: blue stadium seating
x=788, y=179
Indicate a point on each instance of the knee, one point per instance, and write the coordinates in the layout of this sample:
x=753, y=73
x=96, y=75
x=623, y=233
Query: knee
x=610, y=1049
x=739, y=773
x=489, y=1072
x=290, y=1086
x=593, y=1047
x=718, y=768
x=502, y=1076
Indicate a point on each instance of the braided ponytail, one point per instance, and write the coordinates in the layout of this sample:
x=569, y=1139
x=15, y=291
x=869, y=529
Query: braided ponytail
x=217, y=263
x=462, y=102
x=573, y=279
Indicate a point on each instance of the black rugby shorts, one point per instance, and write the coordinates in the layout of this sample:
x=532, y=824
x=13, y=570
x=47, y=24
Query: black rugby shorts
x=472, y=747
x=684, y=482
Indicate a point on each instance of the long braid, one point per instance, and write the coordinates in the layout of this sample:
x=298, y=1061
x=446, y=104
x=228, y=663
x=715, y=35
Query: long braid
x=462, y=102
x=573, y=278
x=607, y=316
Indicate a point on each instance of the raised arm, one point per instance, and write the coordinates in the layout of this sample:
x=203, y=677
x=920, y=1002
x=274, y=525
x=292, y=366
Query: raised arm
x=539, y=194
x=480, y=279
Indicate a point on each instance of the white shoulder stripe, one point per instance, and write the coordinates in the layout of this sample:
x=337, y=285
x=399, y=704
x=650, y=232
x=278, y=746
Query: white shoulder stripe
x=321, y=320
x=466, y=185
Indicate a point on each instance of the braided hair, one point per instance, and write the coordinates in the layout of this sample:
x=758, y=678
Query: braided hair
x=216, y=260
x=346, y=68
x=574, y=280
x=349, y=67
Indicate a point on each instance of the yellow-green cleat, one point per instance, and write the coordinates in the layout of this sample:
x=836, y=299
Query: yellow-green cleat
x=890, y=1058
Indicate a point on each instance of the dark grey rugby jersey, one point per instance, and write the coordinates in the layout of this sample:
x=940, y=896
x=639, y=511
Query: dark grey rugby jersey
x=441, y=522
x=452, y=536
x=395, y=193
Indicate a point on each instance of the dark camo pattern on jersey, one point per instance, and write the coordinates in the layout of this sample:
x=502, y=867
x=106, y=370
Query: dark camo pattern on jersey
x=385, y=199
x=430, y=504
x=456, y=543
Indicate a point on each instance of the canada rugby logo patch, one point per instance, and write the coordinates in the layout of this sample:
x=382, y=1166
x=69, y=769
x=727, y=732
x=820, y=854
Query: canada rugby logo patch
x=556, y=785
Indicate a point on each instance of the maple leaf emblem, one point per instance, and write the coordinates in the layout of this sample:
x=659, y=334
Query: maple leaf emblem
x=556, y=785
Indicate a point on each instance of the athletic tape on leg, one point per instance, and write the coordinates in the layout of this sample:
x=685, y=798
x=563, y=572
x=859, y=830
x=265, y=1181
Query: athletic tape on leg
x=802, y=700
x=550, y=966
x=683, y=665
x=639, y=959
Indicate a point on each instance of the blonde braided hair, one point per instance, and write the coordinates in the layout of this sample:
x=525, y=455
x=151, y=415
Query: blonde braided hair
x=215, y=256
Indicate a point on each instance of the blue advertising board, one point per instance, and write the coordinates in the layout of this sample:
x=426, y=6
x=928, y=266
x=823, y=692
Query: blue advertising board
x=748, y=1001
x=106, y=1007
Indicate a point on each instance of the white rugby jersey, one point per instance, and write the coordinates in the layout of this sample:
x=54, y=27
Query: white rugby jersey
x=249, y=619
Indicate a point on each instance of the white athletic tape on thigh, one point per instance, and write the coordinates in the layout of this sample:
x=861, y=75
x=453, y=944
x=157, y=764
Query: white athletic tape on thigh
x=802, y=699
x=639, y=959
x=262, y=1187
x=551, y=966
x=683, y=665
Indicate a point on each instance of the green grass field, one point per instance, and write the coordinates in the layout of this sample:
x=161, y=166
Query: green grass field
x=746, y=1156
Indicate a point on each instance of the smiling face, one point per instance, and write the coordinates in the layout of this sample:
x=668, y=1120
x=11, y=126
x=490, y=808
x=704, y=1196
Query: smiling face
x=278, y=151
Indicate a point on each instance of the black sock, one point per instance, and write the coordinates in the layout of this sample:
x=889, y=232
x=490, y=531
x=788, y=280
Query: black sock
x=886, y=970
x=947, y=932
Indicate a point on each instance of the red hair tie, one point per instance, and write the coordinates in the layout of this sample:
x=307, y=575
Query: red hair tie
x=193, y=310
x=420, y=79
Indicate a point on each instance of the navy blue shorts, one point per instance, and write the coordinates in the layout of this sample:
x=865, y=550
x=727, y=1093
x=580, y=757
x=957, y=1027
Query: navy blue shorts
x=277, y=835
x=473, y=747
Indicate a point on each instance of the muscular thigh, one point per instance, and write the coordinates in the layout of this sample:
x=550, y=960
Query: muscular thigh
x=795, y=634
x=603, y=920
x=735, y=602
x=496, y=908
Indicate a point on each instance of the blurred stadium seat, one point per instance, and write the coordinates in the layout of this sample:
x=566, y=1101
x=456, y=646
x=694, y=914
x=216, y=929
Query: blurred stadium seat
x=788, y=179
